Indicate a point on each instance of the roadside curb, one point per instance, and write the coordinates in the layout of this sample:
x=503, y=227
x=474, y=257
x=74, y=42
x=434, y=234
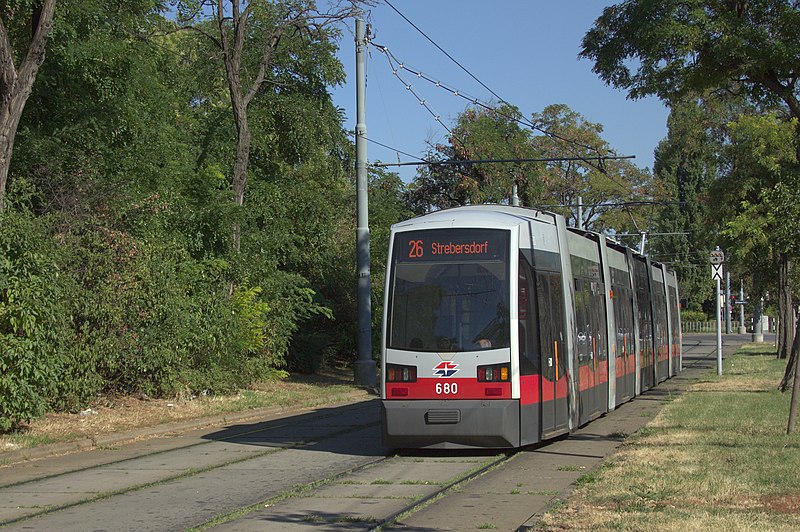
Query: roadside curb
x=170, y=428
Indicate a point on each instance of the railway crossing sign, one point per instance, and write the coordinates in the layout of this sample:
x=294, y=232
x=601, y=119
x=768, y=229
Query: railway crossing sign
x=717, y=258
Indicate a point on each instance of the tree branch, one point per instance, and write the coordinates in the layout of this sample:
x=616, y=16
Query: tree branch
x=35, y=54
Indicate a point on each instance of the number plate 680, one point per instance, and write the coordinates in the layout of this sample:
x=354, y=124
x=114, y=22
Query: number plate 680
x=446, y=388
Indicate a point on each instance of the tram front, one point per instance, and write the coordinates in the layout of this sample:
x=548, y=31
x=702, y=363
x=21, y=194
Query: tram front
x=447, y=364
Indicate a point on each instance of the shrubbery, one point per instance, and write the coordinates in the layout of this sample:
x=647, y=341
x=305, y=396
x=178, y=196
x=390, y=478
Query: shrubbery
x=693, y=315
x=117, y=269
x=33, y=323
x=96, y=310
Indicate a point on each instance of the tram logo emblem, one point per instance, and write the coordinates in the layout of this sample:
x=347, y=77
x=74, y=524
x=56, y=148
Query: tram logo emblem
x=445, y=369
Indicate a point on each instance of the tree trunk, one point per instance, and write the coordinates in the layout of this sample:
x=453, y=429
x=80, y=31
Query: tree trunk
x=9, y=120
x=788, y=374
x=796, y=385
x=786, y=328
x=240, y=177
x=16, y=84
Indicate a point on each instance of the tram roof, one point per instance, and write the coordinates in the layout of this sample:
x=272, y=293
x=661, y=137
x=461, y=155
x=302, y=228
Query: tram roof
x=480, y=216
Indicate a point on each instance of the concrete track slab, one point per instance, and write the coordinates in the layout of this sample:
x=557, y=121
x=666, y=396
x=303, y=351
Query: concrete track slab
x=384, y=491
x=398, y=472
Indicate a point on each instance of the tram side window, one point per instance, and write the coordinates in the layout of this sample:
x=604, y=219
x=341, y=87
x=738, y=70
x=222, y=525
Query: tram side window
x=599, y=316
x=551, y=325
x=645, y=313
x=545, y=326
x=623, y=315
x=675, y=321
x=528, y=320
x=557, y=322
x=583, y=322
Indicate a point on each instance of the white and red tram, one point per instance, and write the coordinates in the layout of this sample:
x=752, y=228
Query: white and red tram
x=502, y=327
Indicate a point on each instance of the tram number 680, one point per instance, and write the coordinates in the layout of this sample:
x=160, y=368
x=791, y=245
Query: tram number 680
x=446, y=388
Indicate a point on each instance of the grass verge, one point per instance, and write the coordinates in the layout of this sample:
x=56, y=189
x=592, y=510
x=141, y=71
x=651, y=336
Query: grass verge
x=118, y=414
x=717, y=458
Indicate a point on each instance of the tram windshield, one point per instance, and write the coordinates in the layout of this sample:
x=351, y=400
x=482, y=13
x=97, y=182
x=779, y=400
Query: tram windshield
x=449, y=291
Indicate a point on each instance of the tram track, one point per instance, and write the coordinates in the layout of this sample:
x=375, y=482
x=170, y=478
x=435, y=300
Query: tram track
x=279, y=508
x=48, y=483
x=281, y=483
x=453, y=484
x=233, y=436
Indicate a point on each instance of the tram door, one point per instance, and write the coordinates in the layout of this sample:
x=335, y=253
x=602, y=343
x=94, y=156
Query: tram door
x=555, y=414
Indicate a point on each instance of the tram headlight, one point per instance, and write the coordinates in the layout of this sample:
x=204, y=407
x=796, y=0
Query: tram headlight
x=493, y=373
x=398, y=373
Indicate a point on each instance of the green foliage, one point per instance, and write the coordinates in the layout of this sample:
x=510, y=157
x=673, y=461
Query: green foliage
x=693, y=315
x=686, y=166
x=478, y=134
x=598, y=184
x=672, y=48
x=117, y=273
x=481, y=134
x=33, y=331
x=760, y=202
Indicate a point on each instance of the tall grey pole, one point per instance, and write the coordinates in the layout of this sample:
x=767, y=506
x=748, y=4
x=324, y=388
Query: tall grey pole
x=727, y=302
x=514, y=196
x=365, y=366
x=719, y=327
x=580, y=212
x=742, y=329
x=758, y=330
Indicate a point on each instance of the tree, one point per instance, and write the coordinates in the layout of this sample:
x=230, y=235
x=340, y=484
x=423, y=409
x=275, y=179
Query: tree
x=763, y=198
x=23, y=38
x=686, y=164
x=603, y=185
x=674, y=48
x=677, y=48
x=248, y=35
x=479, y=134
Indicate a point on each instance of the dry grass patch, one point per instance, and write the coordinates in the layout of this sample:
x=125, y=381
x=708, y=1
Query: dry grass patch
x=715, y=459
x=125, y=413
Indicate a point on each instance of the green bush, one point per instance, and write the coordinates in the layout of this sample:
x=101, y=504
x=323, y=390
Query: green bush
x=33, y=321
x=693, y=315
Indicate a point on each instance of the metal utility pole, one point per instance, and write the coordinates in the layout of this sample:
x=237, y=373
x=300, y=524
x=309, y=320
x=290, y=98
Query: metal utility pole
x=514, y=196
x=758, y=330
x=365, y=366
x=742, y=328
x=580, y=212
x=727, y=302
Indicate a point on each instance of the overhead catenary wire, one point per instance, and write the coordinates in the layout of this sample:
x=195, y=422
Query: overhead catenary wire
x=482, y=84
x=396, y=65
x=448, y=162
x=462, y=67
x=391, y=148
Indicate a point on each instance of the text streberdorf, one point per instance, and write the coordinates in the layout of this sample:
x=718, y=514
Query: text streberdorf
x=474, y=248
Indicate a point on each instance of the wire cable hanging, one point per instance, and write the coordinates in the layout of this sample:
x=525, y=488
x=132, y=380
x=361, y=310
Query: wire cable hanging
x=527, y=123
x=396, y=65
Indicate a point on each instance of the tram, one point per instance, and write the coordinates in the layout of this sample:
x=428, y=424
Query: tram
x=502, y=327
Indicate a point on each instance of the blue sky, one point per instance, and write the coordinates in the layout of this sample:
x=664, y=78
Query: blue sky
x=525, y=51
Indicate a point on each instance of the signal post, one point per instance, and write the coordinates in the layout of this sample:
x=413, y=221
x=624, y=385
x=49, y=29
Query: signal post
x=717, y=261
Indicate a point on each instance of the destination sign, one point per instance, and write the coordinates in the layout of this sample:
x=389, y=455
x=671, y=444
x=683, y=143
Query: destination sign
x=451, y=245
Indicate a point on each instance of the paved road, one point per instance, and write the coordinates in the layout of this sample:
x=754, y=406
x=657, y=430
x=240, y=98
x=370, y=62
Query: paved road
x=320, y=470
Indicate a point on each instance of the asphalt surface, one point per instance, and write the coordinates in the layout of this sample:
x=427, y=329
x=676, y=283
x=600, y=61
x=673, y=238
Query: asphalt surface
x=323, y=469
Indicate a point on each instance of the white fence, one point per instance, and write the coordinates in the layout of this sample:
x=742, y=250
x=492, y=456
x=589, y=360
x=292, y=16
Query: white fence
x=767, y=324
x=706, y=326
